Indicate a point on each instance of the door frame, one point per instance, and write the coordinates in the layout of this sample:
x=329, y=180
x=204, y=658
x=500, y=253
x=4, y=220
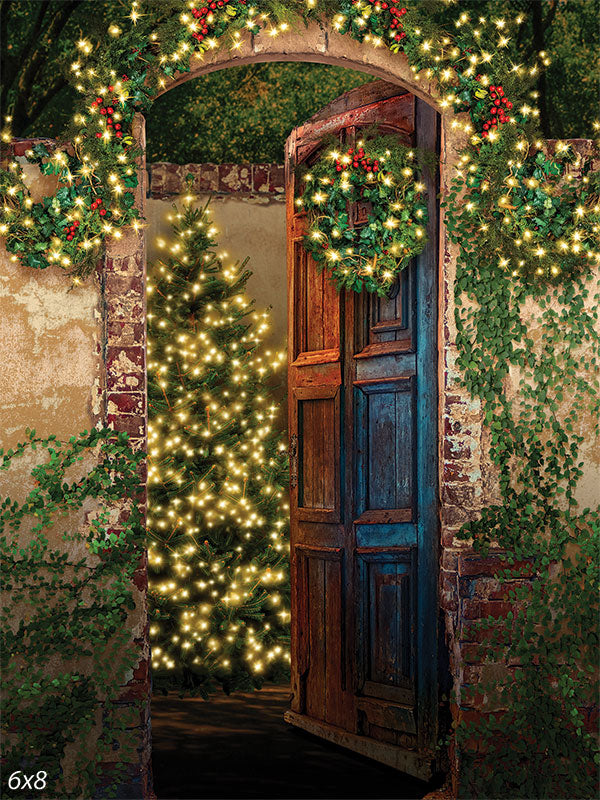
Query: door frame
x=461, y=484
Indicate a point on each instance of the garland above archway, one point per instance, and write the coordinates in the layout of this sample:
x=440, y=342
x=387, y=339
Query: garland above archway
x=509, y=186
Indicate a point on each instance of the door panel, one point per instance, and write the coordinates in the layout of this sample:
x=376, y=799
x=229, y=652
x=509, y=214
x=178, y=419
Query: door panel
x=316, y=420
x=363, y=472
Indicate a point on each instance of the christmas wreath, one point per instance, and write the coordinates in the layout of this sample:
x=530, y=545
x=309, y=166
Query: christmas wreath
x=379, y=178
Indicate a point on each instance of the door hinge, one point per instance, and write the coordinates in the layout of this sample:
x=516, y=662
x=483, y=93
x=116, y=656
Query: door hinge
x=293, y=452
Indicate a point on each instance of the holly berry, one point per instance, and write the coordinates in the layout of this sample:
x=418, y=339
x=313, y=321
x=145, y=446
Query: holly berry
x=98, y=135
x=118, y=134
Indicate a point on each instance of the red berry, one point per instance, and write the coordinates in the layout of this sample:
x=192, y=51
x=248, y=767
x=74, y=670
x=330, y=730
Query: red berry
x=493, y=110
x=94, y=104
x=402, y=35
x=118, y=134
x=98, y=135
x=509, y=105
x=99, y=201
x=76, y=223
x=111, y=88
x=118, y=126
x=103, y=111
x=485, y=134
x=492, y=88
x=110, y=110
x=338, y=168
x=102, y=212
x=70, y=237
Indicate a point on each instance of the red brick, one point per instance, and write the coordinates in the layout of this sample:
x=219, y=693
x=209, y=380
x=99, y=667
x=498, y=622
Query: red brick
x=125, y=333
x=455, y=515
x=139, y=690
x=260, y=178
x=235, y=178
x=206, y=177
x=140, y=579
x=140, y=673
x=449, y=560
x=480, y=609
x=277, y=179
x=119, y=284
x=491, y=565
x=454, y=472
x=126, y=403
x=459, y=494
x=125, y=368
x=456, y=450
x=133, y=424
x=471, y=653
x=448, y=596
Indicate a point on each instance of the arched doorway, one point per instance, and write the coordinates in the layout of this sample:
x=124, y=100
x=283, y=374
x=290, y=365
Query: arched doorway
x=320, y=45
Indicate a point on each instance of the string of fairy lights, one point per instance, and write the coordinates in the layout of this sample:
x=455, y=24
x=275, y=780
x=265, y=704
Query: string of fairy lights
x=466, y=65
x=218, y=512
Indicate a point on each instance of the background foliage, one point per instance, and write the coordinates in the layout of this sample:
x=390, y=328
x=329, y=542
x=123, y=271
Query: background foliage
x=244, y=114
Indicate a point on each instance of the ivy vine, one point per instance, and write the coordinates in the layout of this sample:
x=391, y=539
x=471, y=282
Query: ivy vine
x=66, y=594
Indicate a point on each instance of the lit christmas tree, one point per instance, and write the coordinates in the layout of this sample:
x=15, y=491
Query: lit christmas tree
x=217, y=470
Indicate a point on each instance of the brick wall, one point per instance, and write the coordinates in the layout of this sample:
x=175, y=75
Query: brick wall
x=258, y=182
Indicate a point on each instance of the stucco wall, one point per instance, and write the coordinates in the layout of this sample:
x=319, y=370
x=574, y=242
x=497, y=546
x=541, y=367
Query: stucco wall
x=245, y=228
x=50, y=347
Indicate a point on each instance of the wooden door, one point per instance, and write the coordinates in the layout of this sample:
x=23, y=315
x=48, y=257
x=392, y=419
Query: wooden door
x=363, y=473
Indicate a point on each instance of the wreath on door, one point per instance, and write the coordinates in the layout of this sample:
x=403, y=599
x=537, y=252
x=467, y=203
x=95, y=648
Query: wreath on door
x=367, y=213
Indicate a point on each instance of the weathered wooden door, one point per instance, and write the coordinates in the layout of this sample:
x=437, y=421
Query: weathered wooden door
x=363, y=473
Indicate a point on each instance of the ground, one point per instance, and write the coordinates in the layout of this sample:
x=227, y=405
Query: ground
x=240, y=747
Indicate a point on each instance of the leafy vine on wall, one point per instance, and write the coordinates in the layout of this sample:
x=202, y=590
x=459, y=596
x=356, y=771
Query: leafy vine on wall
x=525, y=221
x=66, y=598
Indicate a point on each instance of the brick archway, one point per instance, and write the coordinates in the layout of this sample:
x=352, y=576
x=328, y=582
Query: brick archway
x=462, y=485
